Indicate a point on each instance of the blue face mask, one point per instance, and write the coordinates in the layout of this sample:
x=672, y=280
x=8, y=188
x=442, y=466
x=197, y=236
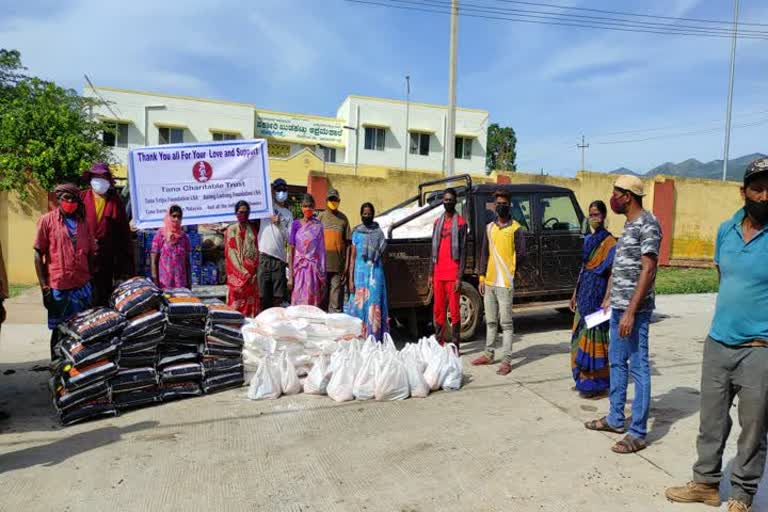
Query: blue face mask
x=281, y=196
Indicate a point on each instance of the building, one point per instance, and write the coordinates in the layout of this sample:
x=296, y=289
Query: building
x=365, y=132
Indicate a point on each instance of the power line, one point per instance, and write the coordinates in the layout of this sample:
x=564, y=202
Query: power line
x=104, y=102
x=624, y=13
x=669, y=127
x=682, y=134
x=516, y=18
x=474, y=7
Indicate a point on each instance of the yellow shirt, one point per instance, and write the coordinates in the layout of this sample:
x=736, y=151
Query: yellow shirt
x=502, y=260
x=99, y=202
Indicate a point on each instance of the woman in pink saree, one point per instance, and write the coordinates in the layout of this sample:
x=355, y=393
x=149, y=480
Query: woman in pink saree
x=306, y=274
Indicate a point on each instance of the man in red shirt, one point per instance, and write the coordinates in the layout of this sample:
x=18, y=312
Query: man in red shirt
x=108, y=224
x=449, y=241
x=64, y=251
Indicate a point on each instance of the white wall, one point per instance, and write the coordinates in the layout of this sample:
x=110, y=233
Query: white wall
x=199, y=116
x=392, y=113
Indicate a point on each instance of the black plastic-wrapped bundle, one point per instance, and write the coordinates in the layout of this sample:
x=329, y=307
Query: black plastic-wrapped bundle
x=140, y=359
x=135, y=296
x=219, y=313
x=148, y=322
x=136, y=398
x=222, y=382
x=214, y=366
x=65, y=399
x=129, y=379
x=87, y=411
x=184, y=307
x=94, y=324
x=214, y=350
x=181, y=372
x=149, y=341
x=170, y=356
x=185, y=332
x=79, y=354
x=176, y=390
x=73, y=378
x=224, y=335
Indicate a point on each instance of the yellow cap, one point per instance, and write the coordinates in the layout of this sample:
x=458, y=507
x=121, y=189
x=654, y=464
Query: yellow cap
x=630, y=184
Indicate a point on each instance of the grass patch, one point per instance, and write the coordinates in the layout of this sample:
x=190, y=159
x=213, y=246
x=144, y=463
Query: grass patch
x=16, y=289
x=670, y=280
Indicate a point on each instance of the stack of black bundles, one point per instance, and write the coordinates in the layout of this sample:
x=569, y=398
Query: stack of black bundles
x=139, y=300
x=135, y=387
x=179, y=361
x=222, y=351
x=89, y=350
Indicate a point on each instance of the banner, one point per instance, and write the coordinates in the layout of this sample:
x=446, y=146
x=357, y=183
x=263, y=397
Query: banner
x=299, y=129
x=205, y=179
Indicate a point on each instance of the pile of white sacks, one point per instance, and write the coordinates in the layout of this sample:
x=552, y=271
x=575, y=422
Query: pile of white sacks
x=297, y=349
x=420, y=227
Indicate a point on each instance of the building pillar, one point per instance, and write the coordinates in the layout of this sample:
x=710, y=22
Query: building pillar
x=317, y=187
x=503, y=180
x=664, y=210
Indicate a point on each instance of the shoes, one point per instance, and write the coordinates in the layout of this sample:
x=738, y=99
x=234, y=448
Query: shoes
x=482, y=360
x=504, y=368
x=697, y=492
x=738, y=506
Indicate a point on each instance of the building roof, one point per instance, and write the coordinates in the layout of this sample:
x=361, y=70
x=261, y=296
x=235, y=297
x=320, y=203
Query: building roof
x=412, y=103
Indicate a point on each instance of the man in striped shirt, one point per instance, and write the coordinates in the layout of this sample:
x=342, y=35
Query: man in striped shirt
x=503, y=247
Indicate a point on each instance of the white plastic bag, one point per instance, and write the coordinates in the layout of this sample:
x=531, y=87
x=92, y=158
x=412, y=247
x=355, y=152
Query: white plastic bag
x=364, y=387
x=318, y=377
x=265, y=384
x=388, y=344
x=392, y=381
x=414, y=368
x=436, y=368
x=311, y=313
x=289, y=380
x=271, y=315
x=453, y=370
x=343, y=380
x=347, y=326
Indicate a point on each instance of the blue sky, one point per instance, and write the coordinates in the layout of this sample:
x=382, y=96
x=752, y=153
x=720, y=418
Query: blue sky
x=550, y=83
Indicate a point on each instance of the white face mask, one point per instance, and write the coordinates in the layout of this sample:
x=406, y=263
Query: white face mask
x=281, y=196
x=100, y=185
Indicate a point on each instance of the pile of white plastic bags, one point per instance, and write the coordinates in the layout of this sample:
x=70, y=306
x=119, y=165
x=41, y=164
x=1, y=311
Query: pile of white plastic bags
x=359, y=370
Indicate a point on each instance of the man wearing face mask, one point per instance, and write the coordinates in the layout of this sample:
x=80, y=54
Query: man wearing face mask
x=449, y=254
x=337, y=238
x=273, y=249
x=108, y=224
x=64, y=251
x=632, y=300
x=503, y=247
x=735, y=359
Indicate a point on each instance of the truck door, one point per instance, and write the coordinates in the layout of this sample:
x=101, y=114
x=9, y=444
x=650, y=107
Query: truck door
x=527, y=275
x=561, y=242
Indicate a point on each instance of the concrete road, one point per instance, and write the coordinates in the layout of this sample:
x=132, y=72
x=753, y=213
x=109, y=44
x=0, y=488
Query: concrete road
x=514, y=443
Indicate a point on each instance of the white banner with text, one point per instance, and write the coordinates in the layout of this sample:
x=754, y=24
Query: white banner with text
x=205, y=179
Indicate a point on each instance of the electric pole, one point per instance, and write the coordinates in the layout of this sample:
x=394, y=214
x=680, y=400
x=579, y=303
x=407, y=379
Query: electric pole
x=727, y=145
x=407, y=115
x=450, y=132
x=583, y=146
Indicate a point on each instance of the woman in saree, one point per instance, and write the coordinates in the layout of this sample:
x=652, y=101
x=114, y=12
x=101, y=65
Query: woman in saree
x=306, y=261
x=589, y=347
x=241, y=253
x=367, y=284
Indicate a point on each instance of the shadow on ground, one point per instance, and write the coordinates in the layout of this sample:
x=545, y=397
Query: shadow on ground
x=25, y=396
x=671, y=407
x=60, y=450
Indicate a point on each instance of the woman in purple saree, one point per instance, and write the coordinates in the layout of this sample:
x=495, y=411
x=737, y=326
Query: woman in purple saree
x=306, y=274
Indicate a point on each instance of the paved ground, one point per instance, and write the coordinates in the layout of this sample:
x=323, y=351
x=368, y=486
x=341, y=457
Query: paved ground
x=513, y=443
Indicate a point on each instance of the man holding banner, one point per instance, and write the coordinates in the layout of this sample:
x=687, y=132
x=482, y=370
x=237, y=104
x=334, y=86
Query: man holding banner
x=273, y=248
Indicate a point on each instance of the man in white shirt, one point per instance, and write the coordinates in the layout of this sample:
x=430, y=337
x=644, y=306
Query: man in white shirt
x=273, y=254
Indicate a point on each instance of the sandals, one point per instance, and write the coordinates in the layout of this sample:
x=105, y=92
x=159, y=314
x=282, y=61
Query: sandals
x=629, y=444
x=602, y=425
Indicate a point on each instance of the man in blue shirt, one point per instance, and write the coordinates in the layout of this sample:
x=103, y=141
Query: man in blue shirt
x=736, y=355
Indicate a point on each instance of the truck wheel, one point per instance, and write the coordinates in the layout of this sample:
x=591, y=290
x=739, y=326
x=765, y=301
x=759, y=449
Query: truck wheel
x=471, y=311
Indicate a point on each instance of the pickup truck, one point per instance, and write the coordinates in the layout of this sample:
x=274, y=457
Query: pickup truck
x=554, y=234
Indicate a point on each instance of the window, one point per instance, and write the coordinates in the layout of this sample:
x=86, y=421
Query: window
x=217, y=136
x=117, y=136
x=374, y=138
x=420, y=144
x=558, y=214
x=170, y=135
x=463, y=148
x=521, y=211
x=329, y=154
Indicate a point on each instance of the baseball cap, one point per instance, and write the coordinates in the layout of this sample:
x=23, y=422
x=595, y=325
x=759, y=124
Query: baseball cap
x=756, y=168
x=630, y=184
x=279, y=182
x=333, y=194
